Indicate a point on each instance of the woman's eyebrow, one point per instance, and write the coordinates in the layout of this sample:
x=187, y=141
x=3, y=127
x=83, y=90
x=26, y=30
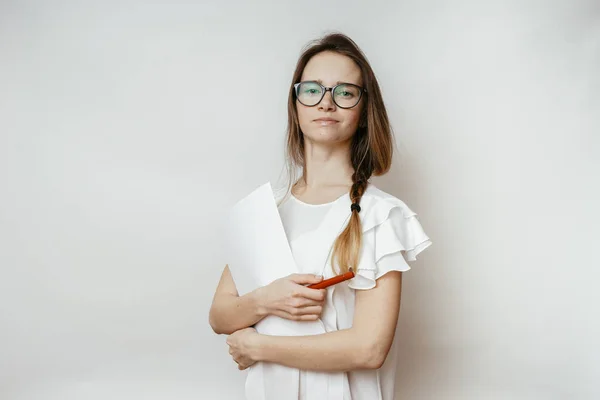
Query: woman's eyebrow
x=337, y=83
x=321, y=82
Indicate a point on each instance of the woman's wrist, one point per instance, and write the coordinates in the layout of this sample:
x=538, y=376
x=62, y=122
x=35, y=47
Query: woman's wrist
x=256, y=347
x=259, y=302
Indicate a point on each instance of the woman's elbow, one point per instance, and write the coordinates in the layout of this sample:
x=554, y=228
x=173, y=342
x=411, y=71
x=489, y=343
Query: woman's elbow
x=213, y=324
x=221, y=330
x=374, y=355
x=217, y=327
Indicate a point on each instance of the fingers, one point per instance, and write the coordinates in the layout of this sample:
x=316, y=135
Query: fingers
x=313, y=294
x=242, y=362
x=315, y=310
x=294, y=316
x=244, y=365
x=303, y=279
x=299, y=302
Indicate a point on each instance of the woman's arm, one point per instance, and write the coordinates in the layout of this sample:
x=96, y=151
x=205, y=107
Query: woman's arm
x=364, y=346
x=230, y=312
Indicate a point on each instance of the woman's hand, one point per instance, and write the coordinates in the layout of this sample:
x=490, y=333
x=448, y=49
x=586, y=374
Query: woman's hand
x=242, y=347
x=288, y=298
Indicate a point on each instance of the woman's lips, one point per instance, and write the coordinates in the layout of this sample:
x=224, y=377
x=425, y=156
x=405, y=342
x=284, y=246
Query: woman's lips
x=325, y=122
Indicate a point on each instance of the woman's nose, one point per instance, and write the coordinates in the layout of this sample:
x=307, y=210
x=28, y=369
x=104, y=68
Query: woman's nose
x=327, y=101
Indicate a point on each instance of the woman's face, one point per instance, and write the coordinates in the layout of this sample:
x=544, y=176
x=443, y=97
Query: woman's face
x=329, y=68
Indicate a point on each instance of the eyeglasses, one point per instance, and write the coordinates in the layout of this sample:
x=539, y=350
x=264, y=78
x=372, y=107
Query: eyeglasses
x=345, y=95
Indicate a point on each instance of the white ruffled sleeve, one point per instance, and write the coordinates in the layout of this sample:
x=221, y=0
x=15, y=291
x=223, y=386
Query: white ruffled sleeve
x=392, y=236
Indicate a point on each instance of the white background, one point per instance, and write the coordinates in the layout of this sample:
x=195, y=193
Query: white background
x=128, y=129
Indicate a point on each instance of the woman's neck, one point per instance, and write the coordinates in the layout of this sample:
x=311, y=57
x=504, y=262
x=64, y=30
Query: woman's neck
x=326, y=166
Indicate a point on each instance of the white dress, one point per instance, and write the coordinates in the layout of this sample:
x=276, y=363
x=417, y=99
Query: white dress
x=392, y=235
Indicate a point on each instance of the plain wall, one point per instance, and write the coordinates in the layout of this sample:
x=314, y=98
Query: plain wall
x=127, y=130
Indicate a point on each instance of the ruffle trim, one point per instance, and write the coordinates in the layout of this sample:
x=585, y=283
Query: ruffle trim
x=392, y=237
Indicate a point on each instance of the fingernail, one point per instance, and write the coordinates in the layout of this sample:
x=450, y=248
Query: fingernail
x=319, y=276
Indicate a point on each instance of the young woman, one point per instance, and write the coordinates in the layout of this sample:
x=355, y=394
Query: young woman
x=335, y=219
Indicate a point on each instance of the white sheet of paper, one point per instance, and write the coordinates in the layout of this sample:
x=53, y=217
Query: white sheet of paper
x=259, y=253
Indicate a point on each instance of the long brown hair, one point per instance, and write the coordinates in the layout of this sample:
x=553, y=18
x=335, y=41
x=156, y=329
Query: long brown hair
x=370, y=150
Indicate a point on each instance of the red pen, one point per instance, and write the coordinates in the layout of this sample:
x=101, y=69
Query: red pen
x=332, y=281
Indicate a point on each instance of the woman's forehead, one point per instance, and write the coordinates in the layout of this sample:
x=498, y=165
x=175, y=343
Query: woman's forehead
x=330, y=68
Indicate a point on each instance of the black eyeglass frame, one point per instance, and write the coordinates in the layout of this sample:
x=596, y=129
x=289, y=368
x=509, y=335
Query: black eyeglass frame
x=326, y=89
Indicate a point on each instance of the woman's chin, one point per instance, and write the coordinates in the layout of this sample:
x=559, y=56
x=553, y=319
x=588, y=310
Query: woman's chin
x=325, y=136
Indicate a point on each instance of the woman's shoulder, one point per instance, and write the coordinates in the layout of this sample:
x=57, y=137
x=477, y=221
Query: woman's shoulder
x=379, y=205
x=379, y=194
